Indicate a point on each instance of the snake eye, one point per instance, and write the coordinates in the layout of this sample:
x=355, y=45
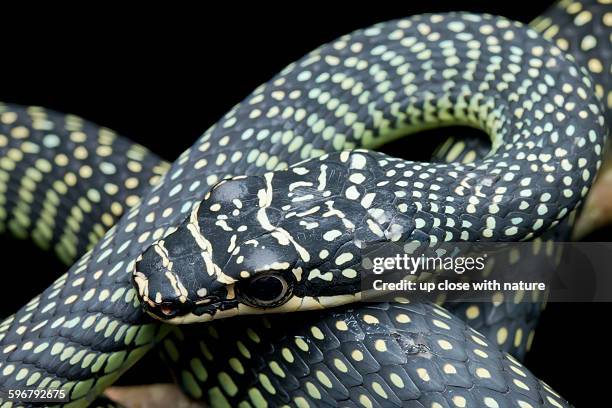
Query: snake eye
x=268, y=290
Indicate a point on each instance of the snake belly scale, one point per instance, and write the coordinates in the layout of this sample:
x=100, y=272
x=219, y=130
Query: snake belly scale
x=94, y=312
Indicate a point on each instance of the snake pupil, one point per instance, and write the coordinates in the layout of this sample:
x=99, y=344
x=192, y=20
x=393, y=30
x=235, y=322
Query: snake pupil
x=265, y=290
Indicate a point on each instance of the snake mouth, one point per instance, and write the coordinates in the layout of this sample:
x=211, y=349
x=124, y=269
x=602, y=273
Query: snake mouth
x=177, y=312
x=212, y=307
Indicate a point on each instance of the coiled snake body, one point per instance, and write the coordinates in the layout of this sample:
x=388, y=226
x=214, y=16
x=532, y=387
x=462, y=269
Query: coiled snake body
x=362, y=90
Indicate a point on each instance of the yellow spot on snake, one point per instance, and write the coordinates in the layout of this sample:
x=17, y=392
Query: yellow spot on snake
x=365, y=401
x=380, y=345
x=257, y=399
x=276, y=369
x=472, y=312
x=520, y=384
x=227, y=383
x=323, y=379
x=483, y=373
x=502, y=335
x=265, y=382
x=301, y=402
x=459, y=401
x=518, y=337
x=402, y=318
x=317, y=333
x=423, y=374
x=490, y=402
x=370, y=319
x=236, y=365
x=441, y=324
x=312, y=390
x=287, y=355
x=341, y=325
x=445, y=345
x=449, y=369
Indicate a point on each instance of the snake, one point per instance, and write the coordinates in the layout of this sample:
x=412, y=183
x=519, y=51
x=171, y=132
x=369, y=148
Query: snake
x=65, y=181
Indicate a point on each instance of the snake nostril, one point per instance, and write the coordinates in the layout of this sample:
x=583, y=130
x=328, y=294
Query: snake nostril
x=167, y=310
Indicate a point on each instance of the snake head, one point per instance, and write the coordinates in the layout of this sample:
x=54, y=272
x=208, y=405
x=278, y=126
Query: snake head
x=224, y=258
x=200, y=268
x=278, y=242
x=178, y=283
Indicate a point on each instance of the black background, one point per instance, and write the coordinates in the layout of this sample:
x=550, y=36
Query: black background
x=162, y=77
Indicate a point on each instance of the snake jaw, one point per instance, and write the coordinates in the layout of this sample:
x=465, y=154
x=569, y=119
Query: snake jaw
x=194, y=313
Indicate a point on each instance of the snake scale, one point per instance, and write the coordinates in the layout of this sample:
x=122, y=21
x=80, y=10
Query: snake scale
x=65, y=181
